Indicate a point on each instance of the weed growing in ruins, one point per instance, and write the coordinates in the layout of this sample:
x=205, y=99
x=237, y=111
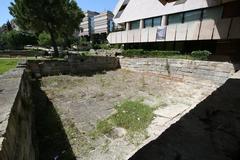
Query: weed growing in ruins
x=134, y=116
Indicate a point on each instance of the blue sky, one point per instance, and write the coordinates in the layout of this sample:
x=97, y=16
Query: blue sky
x=95, y=5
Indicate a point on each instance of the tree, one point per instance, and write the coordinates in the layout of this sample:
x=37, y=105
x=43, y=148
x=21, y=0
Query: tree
x=56, y=17
x=73, y=18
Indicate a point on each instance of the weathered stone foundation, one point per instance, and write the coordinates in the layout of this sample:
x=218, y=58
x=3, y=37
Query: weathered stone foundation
x=17, y=117
x=217, y=72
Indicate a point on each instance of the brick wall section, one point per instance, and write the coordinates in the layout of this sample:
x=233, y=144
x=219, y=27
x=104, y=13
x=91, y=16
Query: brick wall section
x=17, y=118
x=217, y=72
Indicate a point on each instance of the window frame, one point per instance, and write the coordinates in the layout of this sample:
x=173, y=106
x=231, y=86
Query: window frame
x=144, y=25
x=182, y=19
x=160, y=22
x=131, y=26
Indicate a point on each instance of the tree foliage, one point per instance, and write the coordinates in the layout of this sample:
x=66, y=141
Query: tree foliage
x=44, y=39
x=59, y=18
x=16, y=39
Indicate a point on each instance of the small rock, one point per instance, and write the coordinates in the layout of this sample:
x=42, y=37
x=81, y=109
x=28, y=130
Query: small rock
x=118, y=132
x=92, y=51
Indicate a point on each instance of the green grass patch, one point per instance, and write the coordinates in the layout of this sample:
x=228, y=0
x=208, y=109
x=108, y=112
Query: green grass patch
x=7, y=64
x=134, y=116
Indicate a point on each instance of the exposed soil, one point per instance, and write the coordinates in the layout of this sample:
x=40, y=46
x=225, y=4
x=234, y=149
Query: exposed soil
x=82, y=101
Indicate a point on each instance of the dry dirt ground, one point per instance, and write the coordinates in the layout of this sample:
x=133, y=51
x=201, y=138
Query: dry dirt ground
x=82, y=101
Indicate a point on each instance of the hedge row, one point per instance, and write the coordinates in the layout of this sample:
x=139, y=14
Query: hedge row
x=198, y=55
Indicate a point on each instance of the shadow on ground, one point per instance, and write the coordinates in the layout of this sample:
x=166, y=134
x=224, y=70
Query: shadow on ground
x=211, y=131
x=52, y=140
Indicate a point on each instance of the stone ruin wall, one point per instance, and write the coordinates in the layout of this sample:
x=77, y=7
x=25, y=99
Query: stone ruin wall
x=217, y=72
x=17, y=117
x=17, y=140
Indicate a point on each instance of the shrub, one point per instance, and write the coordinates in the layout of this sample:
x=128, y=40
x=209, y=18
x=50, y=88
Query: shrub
x=133, y=53
x=201, y=55
x=163, y=54
x=105, y=46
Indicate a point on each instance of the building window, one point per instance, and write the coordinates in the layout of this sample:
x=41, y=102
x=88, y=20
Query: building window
x=148, y=22
x=92, y=25
x=111, y=25
x=152, y=22
x=213, y=13
x=192, y=16
x=134, y=25
x=175, y=18
x=157, y=21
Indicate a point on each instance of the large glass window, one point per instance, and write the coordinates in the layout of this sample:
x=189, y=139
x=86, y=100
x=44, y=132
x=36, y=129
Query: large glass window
x=92, y=25
x=192, y=16
x=134, y=25
x=175, y=18
x=152, y=22
x=111, y=25
x=213, y=13
x=148, y=22
x=157, y=21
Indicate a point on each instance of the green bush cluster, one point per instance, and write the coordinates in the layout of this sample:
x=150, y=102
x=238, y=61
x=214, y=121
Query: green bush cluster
x=201, y=55
x=107, y=46
x=144, y=53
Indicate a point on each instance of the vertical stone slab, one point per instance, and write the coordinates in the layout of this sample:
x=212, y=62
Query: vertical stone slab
x=206, y=30
x=124, y=36
x=235, y=28
x=152, y=34
x=114, y=37
x=221, y=29
x=193, y=30
x=181, y=32
x=130, y=36
x=119, y=37
x=109, y=38
x=137, y=36
x=171, y=33
x=144, y=35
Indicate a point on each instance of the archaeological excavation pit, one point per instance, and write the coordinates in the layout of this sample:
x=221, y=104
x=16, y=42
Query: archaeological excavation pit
x=91, y=109
x=83, y=101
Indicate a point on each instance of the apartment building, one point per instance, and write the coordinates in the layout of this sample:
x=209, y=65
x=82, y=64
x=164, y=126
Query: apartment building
x=96, y=23
x=188, y=22
x=87, y=24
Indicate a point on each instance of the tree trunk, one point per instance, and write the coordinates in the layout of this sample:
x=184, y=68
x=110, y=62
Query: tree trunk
x=54, y=44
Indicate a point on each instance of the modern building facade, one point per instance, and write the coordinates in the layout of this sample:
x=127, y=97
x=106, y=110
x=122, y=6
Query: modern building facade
x=145, y=21
x=87, y=24
x=96, y=23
